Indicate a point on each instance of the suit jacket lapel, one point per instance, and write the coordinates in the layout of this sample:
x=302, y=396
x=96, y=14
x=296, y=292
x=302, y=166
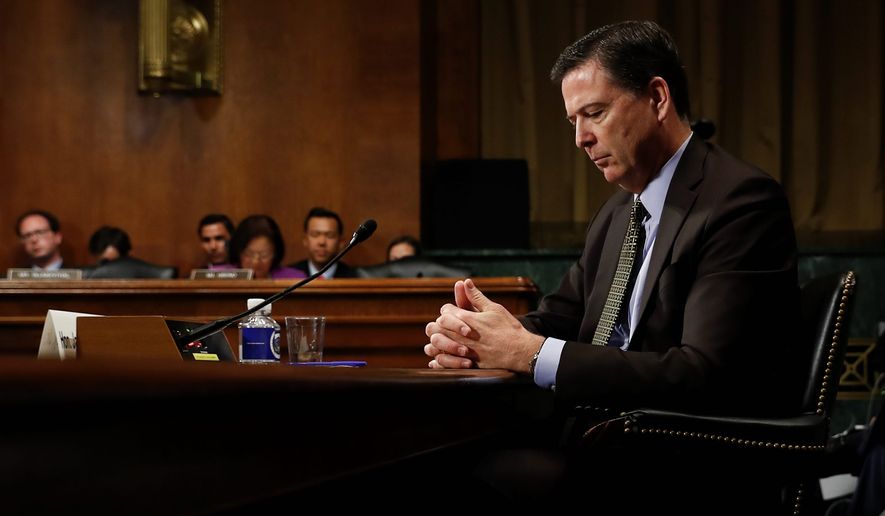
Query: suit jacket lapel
x=681, y=196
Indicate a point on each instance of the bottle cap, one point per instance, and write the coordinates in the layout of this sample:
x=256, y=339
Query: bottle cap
x=252, y=302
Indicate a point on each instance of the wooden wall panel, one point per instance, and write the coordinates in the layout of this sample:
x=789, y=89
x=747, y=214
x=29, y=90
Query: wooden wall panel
x=450, y=89
x=320, y=107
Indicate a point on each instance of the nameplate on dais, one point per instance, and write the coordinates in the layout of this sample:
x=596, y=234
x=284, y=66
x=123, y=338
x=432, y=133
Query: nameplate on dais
x=37, y=274
x=221, y=274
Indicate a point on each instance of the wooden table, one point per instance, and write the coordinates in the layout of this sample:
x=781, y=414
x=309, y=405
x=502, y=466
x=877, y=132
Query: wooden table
x=381, y=321
x=176, y=438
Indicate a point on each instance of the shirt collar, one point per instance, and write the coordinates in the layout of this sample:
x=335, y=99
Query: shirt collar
x=655, y=192
x=329, y=274
x=54, y=266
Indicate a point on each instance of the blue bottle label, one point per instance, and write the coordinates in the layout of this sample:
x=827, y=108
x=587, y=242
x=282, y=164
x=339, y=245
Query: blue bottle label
x=260, y=344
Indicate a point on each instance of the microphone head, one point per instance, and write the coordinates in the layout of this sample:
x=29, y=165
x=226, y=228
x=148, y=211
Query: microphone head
x=364, y=231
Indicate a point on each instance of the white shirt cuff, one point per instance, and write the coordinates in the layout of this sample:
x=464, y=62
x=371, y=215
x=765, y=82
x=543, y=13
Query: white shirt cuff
x=548, y=363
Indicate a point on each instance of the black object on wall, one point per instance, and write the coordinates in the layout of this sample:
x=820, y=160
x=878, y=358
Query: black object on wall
x=475, y=204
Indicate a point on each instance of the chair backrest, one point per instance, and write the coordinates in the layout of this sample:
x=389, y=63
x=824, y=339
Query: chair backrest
x=412, y=267
x=131, y=268
x=826, y=305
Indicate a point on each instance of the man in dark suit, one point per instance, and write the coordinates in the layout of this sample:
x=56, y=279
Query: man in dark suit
x=685, y=295
x=323, y=230
x=712, y=298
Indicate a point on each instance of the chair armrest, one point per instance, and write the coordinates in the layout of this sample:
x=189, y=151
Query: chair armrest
x=804, y=432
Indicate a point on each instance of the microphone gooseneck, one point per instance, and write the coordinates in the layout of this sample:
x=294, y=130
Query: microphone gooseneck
x=363, y=232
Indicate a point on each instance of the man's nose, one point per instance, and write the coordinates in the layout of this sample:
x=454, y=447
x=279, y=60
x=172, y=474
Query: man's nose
x=584, y=137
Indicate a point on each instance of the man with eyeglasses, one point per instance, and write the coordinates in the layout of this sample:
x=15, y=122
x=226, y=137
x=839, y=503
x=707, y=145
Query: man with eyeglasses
x=40, y=235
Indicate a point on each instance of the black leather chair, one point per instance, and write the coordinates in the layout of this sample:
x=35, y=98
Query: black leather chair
x=412, y=267
x=130, y=268
x=786, y=448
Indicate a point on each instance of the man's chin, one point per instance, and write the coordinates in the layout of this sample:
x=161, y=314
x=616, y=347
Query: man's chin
x=611, y=176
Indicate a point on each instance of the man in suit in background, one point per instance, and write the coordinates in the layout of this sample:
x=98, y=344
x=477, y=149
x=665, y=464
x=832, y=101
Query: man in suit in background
x=40, y=234
x=322, y=240
x=215, y=231
x=701, y=310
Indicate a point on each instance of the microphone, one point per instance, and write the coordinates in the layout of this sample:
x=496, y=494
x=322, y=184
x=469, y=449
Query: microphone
x=362, y=233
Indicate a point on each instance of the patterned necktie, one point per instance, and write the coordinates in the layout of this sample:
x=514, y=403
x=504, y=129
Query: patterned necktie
x=625, y=276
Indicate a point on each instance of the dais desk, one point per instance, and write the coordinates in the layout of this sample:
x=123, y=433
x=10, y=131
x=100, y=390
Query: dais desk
x=381, y=321
x=200, y=438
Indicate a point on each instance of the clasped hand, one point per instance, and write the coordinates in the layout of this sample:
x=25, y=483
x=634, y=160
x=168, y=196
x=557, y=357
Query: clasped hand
x=476, y=332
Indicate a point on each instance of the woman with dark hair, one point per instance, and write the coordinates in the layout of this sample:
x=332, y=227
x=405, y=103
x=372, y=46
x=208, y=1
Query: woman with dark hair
x=109, y=243
x=402, y=247
x=111, y=248
x=257, y=244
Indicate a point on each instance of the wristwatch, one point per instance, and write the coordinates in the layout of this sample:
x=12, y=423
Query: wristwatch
x=534, y=362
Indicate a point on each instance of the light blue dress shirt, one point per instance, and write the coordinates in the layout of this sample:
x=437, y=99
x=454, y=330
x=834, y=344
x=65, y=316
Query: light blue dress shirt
x=329, y=274
x=54, y=266
x=653, y=198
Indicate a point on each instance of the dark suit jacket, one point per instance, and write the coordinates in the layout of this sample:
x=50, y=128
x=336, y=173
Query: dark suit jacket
x=719, y=307
x=343, y=270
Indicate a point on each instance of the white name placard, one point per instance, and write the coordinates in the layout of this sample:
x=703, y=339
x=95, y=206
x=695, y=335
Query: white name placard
x=37, y=274
x=59, y=339
x=221, y=274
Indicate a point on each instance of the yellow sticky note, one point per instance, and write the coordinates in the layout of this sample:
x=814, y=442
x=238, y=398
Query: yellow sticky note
x=205, y=357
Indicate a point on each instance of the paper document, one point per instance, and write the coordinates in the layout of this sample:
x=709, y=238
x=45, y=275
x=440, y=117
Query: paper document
x=837, y=486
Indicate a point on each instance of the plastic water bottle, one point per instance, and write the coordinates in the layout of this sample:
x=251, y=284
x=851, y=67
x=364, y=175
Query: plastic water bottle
x=259, y=336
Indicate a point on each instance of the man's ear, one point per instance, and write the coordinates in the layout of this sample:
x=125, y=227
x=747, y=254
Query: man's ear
x=659, y=93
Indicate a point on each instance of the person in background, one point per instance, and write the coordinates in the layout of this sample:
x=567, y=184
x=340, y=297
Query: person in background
x=402, y=247
x=108, y=244
x=215, y=231
x=111, y=246
x=40, y=235
x=322, y=240
x=257, y=244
